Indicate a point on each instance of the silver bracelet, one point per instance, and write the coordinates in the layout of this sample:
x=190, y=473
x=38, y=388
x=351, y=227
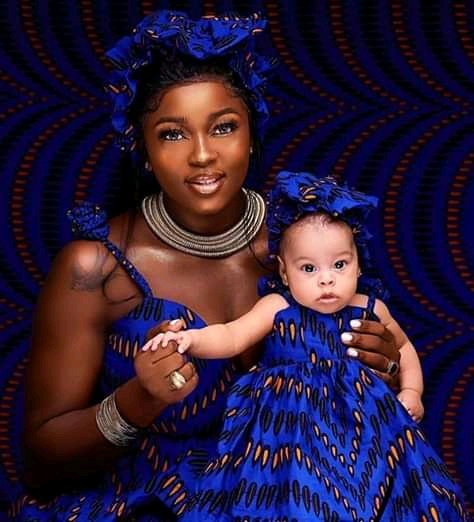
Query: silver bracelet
x=112, y=425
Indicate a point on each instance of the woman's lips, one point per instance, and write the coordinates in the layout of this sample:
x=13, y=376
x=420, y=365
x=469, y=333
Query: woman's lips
x=206, y=185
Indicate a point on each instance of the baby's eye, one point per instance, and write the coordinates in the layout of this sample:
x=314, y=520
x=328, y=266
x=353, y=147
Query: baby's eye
x=339, y=265
x=171, y=134
x=308, y=268
x=224, y=128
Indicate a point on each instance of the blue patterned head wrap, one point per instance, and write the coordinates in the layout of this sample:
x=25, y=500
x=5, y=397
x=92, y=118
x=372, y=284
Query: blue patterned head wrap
x=226, y=36
x=298, y=194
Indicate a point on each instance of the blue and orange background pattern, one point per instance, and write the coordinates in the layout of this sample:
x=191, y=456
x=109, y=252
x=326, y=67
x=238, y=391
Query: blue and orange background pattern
x=377, y=92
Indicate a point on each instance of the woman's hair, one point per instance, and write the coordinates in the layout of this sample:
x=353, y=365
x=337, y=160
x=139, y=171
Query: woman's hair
x=173, y=69
x=168, y=70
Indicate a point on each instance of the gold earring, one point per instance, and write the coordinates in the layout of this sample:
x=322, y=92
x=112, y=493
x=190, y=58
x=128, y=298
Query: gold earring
x=251, y=150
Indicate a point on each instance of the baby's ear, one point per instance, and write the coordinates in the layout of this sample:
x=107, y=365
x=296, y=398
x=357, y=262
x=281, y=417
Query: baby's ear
x=282, y=270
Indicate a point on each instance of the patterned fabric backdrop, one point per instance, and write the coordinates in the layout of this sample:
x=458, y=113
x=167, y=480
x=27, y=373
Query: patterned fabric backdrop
x=379, y=92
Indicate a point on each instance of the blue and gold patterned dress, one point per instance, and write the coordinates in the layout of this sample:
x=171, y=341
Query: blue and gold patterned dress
x=310, y=434
x=147, y=484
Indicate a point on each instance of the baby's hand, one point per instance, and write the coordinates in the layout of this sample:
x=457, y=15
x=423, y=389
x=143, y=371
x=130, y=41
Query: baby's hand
x=182, y=339
x=411, y=401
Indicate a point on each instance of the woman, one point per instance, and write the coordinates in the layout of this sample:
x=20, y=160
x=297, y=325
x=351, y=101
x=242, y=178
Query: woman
x=106, y=426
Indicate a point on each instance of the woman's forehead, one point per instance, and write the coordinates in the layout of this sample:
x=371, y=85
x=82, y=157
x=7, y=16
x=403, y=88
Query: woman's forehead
x=205, y=96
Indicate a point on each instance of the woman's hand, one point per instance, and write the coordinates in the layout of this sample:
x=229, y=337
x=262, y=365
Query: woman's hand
x=374, y=345
x=154, y=369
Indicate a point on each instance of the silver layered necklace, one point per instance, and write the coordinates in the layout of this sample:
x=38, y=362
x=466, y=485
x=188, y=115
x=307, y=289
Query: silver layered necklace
x=220, y=245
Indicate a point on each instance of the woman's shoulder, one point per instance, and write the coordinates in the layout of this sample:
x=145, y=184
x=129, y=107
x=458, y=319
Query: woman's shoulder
x=83, y=262
x=90, y=267
x=89, y=259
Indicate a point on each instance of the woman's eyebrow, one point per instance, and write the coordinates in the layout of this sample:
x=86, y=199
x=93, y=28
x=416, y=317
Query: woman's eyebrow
x=181, y=120
x=170, y=119
x=226, y=110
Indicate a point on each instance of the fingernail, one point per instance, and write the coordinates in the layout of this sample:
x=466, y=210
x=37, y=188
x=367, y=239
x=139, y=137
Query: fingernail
x=355, y=323
x=174, y=321
x=352, y=353
x=346, y=336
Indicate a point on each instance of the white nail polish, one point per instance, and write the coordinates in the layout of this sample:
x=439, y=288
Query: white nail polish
x=346, y=337
x=355, y=323
x=174, y=321
x=352, y=353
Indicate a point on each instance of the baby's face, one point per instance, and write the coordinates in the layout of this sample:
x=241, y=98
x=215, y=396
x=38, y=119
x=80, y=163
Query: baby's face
x=318, y=262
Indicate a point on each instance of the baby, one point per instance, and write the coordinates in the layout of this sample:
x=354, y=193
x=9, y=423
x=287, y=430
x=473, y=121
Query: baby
x=310, y=432
x=319, y=264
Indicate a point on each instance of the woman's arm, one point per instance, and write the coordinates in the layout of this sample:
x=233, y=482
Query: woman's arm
x=411, y=375
x=61, y=438
x=410, y=368
x=226, y=340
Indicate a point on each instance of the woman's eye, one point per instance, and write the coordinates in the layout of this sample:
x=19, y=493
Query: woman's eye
x=171, y=134
x=339, y=265
x=224, y=128
x=308, y=268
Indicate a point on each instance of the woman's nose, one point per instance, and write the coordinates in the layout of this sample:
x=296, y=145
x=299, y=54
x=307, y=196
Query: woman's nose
x=202, y=152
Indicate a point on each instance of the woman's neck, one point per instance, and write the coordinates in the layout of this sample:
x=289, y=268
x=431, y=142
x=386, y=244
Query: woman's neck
x=207, y=224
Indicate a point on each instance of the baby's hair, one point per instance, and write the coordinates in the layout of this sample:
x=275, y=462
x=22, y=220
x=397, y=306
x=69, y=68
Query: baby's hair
x=320, y=218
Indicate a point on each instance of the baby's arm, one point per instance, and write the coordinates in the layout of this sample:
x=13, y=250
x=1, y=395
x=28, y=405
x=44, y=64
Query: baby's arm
x=411, y=376
x=226, y=340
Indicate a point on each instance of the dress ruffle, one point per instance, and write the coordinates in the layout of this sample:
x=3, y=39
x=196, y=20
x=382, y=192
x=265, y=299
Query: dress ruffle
x=89, y=221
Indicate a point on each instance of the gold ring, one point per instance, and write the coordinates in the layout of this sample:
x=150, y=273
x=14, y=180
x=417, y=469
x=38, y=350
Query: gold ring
x=392, y=368
x=177, y=380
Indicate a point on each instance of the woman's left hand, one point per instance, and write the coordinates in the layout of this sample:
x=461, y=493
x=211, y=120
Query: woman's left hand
x=374, y=345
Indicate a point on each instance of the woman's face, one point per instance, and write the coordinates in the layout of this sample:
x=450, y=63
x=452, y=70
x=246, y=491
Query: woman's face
x=198, y=145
